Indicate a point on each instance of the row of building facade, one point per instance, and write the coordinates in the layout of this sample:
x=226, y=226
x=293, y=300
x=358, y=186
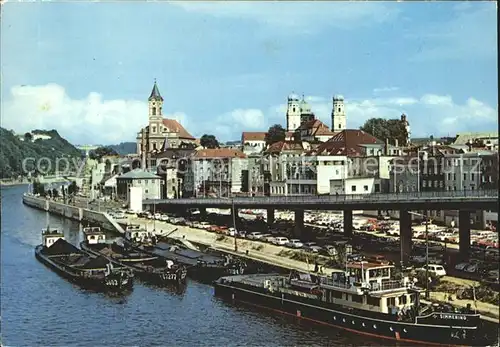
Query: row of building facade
x=312, y=159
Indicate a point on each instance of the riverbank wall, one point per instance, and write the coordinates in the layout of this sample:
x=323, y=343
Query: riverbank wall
x=81, y=215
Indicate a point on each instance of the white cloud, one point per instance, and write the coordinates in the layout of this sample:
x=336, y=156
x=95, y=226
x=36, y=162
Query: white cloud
x=90, y=120
x=94, y=120
x=305, y=16
x=431, y=99
x=429, y=114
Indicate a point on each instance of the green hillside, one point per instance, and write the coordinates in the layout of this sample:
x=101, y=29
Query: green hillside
x=14, y=151
x=124, y=148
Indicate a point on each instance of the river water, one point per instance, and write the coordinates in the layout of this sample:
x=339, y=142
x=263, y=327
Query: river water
x=39, y=308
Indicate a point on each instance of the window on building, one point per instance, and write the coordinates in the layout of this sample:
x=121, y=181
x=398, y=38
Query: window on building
x=377, y=188
x=139, y=181
x=365, y=188
x=293, y=109
x=340, y=126
x=154, y=145
x=153, y=129
x=424, y=183
x=465, y=176
x=454, y=187
x=436, y=184
x=339, y=109
x=454, y=176
x=146, y=191
x=154, y=111
x=472, y=177
x=353, y=188
x=449, y=176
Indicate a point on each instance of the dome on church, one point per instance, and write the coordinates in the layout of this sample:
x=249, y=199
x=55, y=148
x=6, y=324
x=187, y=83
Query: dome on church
x=338, y=97
x=304, y=106
x=293, y=97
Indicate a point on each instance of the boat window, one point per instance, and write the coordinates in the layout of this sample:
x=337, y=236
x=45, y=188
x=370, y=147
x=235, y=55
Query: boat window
x=357, y=298
x=373, y=301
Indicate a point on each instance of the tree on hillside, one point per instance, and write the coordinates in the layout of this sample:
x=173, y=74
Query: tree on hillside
x=383, y=129
x=276, y=133
x=209, y=141
x=28, y=137
x=100, y=152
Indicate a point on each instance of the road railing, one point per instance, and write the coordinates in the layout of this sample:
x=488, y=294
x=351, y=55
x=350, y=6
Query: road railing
x=445, y=196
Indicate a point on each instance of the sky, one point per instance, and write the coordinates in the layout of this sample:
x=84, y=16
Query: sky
x=86, y=69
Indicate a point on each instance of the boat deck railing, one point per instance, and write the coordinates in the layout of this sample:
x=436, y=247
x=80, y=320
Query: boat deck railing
x=373, y=287
x=330, y=282
x=388, y=285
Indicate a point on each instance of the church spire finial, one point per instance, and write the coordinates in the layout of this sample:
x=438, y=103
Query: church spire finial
x=155, y=93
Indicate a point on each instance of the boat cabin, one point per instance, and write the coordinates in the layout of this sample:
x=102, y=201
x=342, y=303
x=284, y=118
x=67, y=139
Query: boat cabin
x=94, y=235
x=368, y=286
x=137, y=233
x=50, y=236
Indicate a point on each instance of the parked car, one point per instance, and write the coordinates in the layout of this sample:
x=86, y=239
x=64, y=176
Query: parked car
x=254, y=235
x=461, y=266
x=294, y=243
x=119, y=215
x=436, y=269
x=280, y=241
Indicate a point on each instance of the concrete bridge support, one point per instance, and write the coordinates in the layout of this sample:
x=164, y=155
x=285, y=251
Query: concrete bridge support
x=270, y=216
x=348, y=222
x=405, y=235
x=203, y=213
x=299, y=223
x=464, y=233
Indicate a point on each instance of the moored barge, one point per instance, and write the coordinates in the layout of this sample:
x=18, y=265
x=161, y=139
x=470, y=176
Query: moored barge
x=200, y=266
x=149, y=268
x=79, y=267
x=364, y=299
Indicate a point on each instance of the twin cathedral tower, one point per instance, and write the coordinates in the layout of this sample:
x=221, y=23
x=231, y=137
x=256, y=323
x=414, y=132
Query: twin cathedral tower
x=299, y=111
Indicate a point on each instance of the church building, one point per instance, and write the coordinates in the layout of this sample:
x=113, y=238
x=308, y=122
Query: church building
x=161, y=133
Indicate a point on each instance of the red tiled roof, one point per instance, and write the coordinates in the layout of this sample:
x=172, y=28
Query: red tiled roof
x=219, y=153
x=347, y=142
x=176, y=127
x=253, y=136
x=280, y=146
x=316, y=128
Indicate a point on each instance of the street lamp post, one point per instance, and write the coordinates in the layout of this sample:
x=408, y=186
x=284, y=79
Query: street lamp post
x=234, y=225
x=426, y=219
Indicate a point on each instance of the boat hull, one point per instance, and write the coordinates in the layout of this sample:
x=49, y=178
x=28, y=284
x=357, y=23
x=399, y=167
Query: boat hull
x=169, y=277
x=380, y=328
x=112, y=283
